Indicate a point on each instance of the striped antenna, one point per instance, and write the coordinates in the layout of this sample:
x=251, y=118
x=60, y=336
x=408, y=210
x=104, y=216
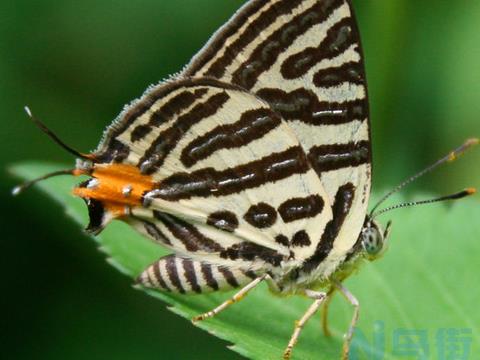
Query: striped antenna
x=456, y=196
x=20, y=188
x=452, y=156
x=55, y=138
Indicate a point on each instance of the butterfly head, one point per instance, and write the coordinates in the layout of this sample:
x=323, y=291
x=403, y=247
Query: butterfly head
x=374, y=239
x=112, y=191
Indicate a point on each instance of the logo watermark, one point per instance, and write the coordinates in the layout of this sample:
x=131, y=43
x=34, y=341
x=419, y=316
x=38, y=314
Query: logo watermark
x=412, y=344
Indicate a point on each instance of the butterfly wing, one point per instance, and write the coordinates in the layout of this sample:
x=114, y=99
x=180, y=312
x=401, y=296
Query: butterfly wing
x=233, y=185
x=304, y=58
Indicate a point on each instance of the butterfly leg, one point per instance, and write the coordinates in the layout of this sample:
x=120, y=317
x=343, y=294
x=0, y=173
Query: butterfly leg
x=234, y=299
x=319, y=297
x=326, y=305
x=356, y=308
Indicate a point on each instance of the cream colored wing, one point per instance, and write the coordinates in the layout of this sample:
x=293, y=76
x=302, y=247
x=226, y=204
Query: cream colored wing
x=233, y=185
x=304, y=58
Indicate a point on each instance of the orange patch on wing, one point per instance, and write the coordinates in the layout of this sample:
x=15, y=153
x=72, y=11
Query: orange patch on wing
x=119, y=186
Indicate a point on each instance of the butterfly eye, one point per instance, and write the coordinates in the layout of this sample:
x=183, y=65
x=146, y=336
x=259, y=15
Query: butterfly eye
x=372, y=241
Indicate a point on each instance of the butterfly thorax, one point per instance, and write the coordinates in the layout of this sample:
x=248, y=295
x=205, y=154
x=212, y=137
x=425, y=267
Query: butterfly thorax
x=296, y=280
x=111, y=192
x=370, y=245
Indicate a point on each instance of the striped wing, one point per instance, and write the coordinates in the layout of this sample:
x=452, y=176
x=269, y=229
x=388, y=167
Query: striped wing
x=233, y=185
x=304, y=58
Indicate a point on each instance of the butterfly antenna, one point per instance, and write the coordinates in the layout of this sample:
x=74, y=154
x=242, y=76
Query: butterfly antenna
x=459, y=195
x=55, y=138
x=22, y=187
x=452, y=156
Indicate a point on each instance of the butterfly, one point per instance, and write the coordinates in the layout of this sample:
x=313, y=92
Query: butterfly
x=253, y=164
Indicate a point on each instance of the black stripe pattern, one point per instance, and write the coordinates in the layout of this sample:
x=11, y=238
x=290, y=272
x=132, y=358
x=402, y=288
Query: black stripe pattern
x=187, y=234
x=268, y=51
x=338, y=39
x=196, y=136
x=350, y=72
x=341, y=207
x=338, y=156
x=303, y=105
x=155, y=156
x=253, y=124
x=209, y=182
x=182, y=275
x=258, y=25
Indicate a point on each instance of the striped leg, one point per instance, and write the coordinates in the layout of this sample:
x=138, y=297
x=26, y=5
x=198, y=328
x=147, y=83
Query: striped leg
x=356, y=305
x=236, y=298
x=319, y=298
x=183, y=275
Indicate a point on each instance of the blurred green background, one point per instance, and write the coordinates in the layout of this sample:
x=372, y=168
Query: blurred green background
x=77, y=63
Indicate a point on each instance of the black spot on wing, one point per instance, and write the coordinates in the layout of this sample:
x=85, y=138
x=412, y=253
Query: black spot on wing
x=223, y=220
x=301, y=208
x=261, y=215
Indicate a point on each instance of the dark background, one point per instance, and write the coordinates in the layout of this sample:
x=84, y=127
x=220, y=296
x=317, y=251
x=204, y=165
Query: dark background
x=77, y=63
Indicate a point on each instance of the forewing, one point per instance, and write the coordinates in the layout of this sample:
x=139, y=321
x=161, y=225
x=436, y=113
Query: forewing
x=233, y=184
x=304, y=58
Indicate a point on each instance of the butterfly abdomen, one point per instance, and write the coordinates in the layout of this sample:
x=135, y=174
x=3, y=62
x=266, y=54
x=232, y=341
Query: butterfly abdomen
x=182, y=275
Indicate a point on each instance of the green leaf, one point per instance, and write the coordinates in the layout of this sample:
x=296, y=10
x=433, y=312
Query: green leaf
x=426, y=282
